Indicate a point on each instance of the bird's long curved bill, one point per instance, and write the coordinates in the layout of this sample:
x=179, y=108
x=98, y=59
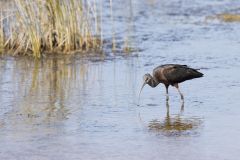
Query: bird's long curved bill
x=141, y=92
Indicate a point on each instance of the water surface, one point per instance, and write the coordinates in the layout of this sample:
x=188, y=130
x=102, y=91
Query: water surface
x=78, y=107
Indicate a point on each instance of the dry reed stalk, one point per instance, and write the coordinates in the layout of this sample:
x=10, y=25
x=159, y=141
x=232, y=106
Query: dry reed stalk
x=101, y=22
x=113, y=27
x=128, y=38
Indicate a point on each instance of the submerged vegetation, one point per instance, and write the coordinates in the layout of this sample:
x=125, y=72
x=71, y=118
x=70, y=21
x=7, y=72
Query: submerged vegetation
x=53, y=26
x=225, y=17
x=229, y=17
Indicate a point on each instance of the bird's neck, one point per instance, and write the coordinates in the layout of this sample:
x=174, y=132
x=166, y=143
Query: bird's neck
x=153, y=82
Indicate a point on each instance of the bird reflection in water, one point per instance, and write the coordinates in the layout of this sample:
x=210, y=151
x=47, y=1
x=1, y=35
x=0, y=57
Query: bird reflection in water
x=175, y=125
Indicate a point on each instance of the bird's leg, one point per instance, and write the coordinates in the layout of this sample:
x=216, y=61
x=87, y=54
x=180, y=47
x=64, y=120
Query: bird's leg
x=182, y=107
x=176, y=85
x=167, y=106
x=167, y=96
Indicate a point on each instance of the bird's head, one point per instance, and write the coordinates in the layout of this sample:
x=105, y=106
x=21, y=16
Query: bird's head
x=147, y=78
x=150, y=80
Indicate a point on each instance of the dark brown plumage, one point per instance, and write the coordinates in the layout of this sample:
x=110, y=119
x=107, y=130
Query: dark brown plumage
x=171, y=74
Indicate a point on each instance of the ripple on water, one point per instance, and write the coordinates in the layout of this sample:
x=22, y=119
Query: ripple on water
x=152, y=105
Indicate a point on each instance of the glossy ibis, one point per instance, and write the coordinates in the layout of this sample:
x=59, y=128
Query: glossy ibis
x=170, y=74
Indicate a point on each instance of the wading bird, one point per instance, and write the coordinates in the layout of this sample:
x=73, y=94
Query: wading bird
x=170, y=74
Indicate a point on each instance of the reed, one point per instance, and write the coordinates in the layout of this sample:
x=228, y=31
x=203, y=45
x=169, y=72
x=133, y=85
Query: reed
x=54, y=26
x=113, y=27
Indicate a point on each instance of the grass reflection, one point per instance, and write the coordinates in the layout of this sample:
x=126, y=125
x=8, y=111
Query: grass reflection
x=45, y=87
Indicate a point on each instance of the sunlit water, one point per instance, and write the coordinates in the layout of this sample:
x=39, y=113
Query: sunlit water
x=67, y=108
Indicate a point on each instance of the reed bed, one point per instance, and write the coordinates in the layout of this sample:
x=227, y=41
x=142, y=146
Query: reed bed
x=53, y=26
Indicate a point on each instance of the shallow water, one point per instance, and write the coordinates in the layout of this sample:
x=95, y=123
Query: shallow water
x=77, y=107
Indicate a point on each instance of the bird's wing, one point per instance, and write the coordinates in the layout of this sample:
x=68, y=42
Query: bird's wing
x=172, y=65
x=180, y=73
